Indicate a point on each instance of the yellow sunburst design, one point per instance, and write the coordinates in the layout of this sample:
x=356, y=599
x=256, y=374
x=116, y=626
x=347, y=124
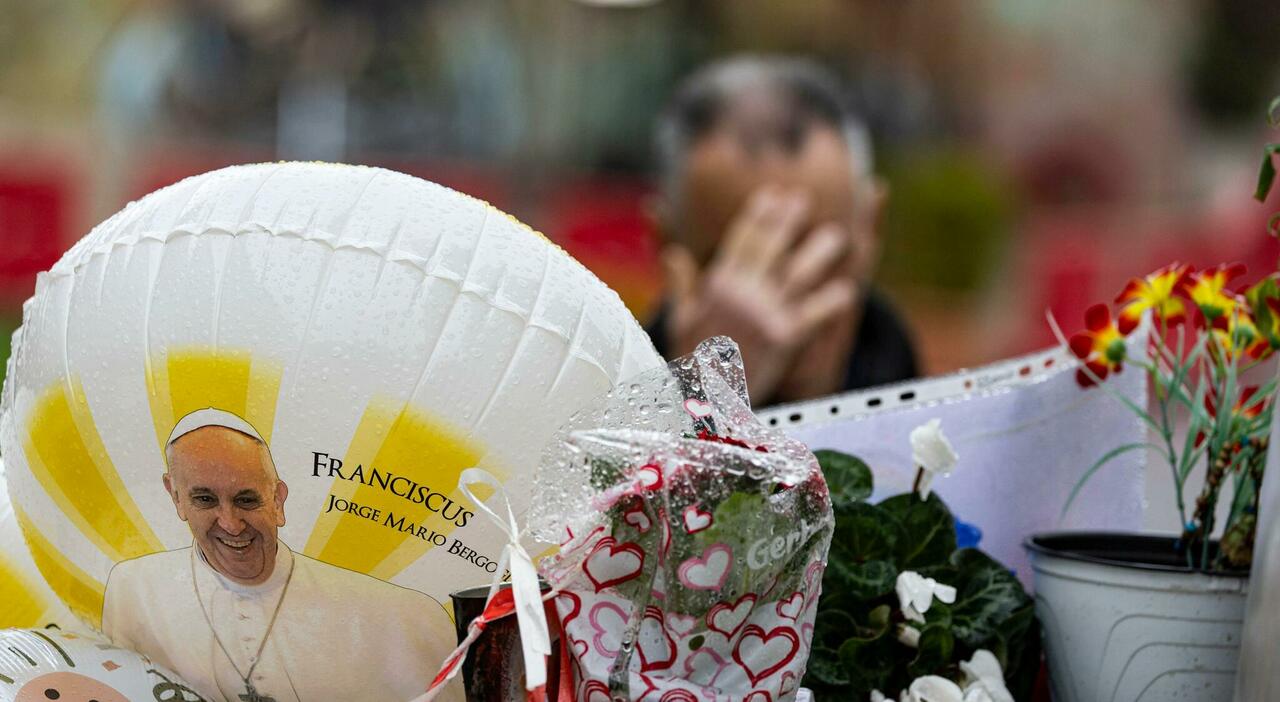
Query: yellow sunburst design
x=20, y=605
x=193, y=378
x=65, y=454
x=401, y=440
x=81, y=593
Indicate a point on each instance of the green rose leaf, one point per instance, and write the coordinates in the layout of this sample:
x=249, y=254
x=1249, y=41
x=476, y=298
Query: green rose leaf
x=929, y=530
x=987, y=594
x=848, y=478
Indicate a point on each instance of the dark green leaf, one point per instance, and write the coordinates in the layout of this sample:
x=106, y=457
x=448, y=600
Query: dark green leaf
x=987, y=595
x=934, y=653
x=868, y=663
x=826, y=667
x=1266, y=173
x=832, y=628
x=863, y=580
x=848, y=478
x=1263, y=317
x=929, y=530
x=1020, y=638
x=864, y=533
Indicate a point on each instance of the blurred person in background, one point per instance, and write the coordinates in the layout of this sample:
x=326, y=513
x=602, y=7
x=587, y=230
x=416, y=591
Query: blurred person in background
x=768, y=211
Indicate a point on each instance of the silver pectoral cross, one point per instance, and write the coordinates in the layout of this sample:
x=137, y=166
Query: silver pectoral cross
x=251, y=695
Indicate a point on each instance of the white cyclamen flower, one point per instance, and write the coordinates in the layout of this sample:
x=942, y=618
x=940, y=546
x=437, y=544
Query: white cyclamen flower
x=916, y=594
x=932, y=453
x=877, y=696
x=932, y=688
x=908, y=636
x=984, y=681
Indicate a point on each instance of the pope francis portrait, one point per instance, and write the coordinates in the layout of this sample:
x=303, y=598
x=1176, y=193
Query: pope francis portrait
x=243, y=618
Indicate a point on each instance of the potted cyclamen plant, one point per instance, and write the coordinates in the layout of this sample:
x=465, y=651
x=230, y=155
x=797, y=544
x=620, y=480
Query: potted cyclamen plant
x=1146, y=617
x=908, y=612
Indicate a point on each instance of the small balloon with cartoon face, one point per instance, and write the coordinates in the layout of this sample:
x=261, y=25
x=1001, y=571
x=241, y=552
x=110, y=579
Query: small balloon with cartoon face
x=65, y=686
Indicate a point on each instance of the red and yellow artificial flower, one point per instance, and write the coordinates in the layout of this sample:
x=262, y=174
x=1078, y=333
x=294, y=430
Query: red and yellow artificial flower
x=1156, y=292
x=1236, y=334
x=1100, y=346
x=1208, y=290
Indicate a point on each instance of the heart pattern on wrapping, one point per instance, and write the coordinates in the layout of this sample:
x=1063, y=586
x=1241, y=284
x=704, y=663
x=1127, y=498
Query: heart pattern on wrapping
x=607, y=618
x=704, y=664
x=657, y=649
x=678, y=695
x=762, y=654
x=595, y=691
x=788, y=684
x=758, y=696
x=728, y=618
x=649, y=476
x=812, y=583
x=681, y=624
x=696, y=520
x=611, y=563
x=709, y=571
x=638, y=519
x=571, y=608
x=697, y=408
x=791, y=607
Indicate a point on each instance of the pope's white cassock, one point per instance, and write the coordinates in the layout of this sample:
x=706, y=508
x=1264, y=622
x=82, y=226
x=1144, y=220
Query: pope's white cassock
x=339, y=635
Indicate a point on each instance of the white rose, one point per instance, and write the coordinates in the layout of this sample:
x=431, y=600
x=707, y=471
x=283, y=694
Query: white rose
x=984, y=681
x=932, y=453
x=877, y=696
x=932, y=688
x=916, y=594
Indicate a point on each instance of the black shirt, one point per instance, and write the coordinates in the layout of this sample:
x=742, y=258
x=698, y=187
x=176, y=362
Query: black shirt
x=882, y=351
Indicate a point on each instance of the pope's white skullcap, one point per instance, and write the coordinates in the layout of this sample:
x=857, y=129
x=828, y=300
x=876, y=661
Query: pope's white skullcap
x=212, y=417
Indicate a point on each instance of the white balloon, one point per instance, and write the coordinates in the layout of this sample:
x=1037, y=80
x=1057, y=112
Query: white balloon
x=25, y=599
x=41, y=665
x=381, y=333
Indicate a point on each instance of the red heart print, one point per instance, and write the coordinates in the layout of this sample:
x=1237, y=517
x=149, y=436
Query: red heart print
x=608, y=620
x=709, y=571
x=568, y=605
x=611, y=563
x=595, y=691
x=762, y=654
x=657, y=650
x=704, y=664
x=758, y=696
x=728, y=618
x=649, y=476
x=791, y=607
x=697, y=407
x=678, y=695
x=695, y=520
x=637, y=518
x=680, y=624
x=788, y=684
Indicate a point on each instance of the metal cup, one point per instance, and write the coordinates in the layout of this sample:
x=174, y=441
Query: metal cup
x=495, y=653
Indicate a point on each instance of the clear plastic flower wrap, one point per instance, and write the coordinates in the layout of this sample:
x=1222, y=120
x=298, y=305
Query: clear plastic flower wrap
x=693, y=540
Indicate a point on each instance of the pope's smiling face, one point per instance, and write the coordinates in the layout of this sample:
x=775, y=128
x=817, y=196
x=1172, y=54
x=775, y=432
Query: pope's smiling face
x=225, y=487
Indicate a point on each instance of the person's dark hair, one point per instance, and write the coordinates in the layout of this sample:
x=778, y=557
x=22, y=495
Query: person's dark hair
x=808, y=92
